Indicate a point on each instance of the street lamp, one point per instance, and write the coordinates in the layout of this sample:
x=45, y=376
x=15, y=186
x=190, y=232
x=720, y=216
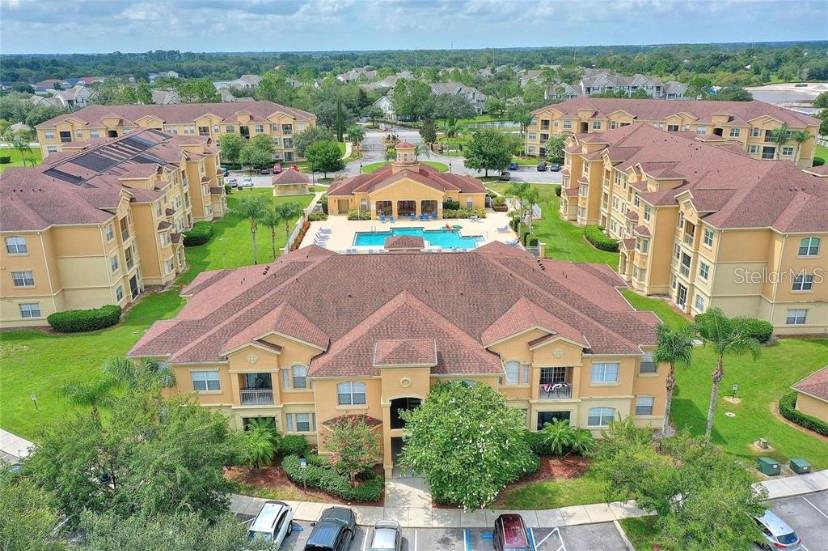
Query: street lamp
x=34, y=400
x=449, y=167
x=360, y=167
x=733, y=389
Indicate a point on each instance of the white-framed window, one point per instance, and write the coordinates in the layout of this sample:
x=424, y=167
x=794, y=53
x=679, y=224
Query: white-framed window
x=49, y=135
x=676, y=251
x=755, y=132
x=168, y=267
x=600, y=417
x=532, y=136
x=809, y=246
x=803, y=282
x=204, y=381
x=79, y=133
x=648, y=212
x=23, y=279
x=567, y=124
x=642, y=244
x=648, y=364
x=704, y=270
x=259, y=128
x=109, y=232
x=596, y=125
x=605, y=372
x=796, y=316
x=516, y=374
x=699, y=304
x=94, y=134
x=16, y=245
x=350, y=394
x=30, y=310
x=165, y=239
x=644, y=405
x=300, y=422
x=787, y=151
x=680, y=219
x=708, y=237
x=637, y=200
x=296, y=377
x=275, y=127
x=229, y=129
x=51, y=149
x=113, y=262
x=119, y=293
x=701, y=131
x=753, y=149
x=735, y=132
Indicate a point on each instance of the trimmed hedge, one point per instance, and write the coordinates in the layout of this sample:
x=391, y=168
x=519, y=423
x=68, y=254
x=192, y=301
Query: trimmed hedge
x=5, y=159
x=200, y=234
x=760, y=330
x=293, y=444
x=558, y=191
x=463, y=213
x=76, y=321
x=354, y=214
x=319, y=474
x=317, y=216
x=787, y=407
x=451, y=204
x=600, y=240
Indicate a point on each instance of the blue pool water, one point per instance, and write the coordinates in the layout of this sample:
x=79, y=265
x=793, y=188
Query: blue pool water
x=447, y=239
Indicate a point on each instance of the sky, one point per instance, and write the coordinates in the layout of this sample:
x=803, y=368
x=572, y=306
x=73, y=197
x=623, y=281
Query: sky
x=93, y=26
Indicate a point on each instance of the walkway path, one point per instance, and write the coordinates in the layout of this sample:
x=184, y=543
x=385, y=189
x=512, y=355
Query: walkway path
x=12, y=447
x=796, y=485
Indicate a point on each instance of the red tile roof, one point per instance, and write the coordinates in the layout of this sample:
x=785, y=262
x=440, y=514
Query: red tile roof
x=421, y=173
x=290, y=176
x=456, y=301
x=815, y=384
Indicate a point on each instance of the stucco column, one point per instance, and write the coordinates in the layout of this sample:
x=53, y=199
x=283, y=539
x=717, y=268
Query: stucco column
x=234, y=387
x=418, y=208
x=394, y=211
x=387, y=455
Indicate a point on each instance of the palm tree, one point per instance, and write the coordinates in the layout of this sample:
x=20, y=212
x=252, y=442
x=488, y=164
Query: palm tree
x=94, y=394
x=287, y=212
x=253, y=208
x=779, y=136
x=270, y=218
x=557, y=436
x=725, y=337
x=20, y=142
x=138, y=373
x=800, y=137
x=674, y=347
x=259, y=449
x=521, y=191
x=530, y=197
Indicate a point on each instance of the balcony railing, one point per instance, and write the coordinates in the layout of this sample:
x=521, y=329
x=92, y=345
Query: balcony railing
x=557, y=391
x=685, y=270
x=256, y=397
x=688, y=238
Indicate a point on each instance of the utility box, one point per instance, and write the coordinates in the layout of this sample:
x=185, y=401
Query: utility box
x=768, y=466
x=800, y=466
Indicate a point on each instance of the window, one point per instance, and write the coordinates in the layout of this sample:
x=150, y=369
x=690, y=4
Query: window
x=803, y=282
x=787, y=151
x=600, y=417
x=704, y=270
x=756, y=132
x=229, y=129
x=287, y=129
x=299, y=376
x=567, y=124
x=753, y=149
x=708, y=237
x=49, y=135
x=701, y=131
x=203, y=130
x=681, y=219
x=23, y=279
x=94, y=134
x=113, y=263
x=51, y=149
x=119, y=293
x=796, y=316
x=605, y=372
x=168, y=266
x=16, y=245
x=809, y=246
x=259, y=128
x=516, y=374
x=300, y=422
x=79, y=133
x=350, y=394
x=642, y=245
x=648, y=364
x=648, y=212
x=109, y=232
x=735, y=132
x=29, y=310
x=547, y=417
x=699, y=304
x=644, y=405
x=596, y=125
x=672, y=128
x=204, y=381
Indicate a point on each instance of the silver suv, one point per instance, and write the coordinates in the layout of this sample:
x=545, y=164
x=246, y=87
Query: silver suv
x=778, y=535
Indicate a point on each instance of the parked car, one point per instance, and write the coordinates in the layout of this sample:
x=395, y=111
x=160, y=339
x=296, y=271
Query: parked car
x=277, y=168
x=505, y=176
x=334, y=530
x=554, y=167
x=542, y=167
x=232, y=182
x=778, y=535
x=513, y=166
x=265, y=171
x=510, y=534
x=387, y=536
x=273, y=524
x=224, y=171
x=246, y=182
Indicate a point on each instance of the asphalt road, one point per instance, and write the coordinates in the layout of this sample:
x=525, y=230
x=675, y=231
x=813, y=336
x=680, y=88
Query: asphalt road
x=808, y=515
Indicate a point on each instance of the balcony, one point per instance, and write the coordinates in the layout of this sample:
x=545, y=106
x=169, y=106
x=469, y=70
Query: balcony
x=256, y=397
x=684, y=270
x=688, y=239
x=556, y=391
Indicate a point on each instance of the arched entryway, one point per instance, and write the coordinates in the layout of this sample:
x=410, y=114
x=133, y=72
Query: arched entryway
x=402, y=404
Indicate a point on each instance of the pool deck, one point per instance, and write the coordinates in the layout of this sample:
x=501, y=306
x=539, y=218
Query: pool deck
x=343, y=230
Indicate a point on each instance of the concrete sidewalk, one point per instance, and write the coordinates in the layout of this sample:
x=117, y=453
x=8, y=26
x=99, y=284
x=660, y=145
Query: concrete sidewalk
x=13, y=448
x=428, y=517
x=795, y=485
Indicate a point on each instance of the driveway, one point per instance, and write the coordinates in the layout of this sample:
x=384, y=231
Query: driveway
x=808, y=516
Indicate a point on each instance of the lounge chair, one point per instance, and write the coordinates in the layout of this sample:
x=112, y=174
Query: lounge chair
x=393, y=219
x=324, y=230
x=473, y=218
x=504, y=228
x=513, y=241
x=382, y=217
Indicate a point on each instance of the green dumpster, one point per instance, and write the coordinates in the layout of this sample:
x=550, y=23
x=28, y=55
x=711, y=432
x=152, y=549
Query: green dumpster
x=768, y=466
x=800, y=466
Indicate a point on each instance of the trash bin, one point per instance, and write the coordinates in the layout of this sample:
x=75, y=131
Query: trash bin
x=800, y=466
x=768, y=466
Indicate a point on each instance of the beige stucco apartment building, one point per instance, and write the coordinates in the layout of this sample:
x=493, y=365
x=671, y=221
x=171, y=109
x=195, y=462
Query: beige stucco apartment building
x=95, y=224
x=318, y=335
x=706, y=225
x=748, y=124
x=404, y=188
x=186, y=119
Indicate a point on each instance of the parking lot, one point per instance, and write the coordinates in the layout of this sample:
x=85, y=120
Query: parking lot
x=808, y=515
x=588, y=537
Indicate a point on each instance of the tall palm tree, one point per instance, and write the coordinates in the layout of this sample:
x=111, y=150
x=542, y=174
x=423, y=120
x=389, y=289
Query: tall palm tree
x=673, y=347
x=270, y=218
x=138, y=373
x=778, y=137
x=93, y=394
x=725, y=337
x=252, y=207
x=800, y=137
x=287, y=212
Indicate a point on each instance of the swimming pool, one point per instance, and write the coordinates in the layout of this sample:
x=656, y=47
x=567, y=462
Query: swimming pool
x=446, y=239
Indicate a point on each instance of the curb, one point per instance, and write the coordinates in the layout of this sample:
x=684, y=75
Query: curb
x=623, y=535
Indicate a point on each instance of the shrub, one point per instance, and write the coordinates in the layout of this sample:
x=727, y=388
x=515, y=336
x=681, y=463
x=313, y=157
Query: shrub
x=464, y=213
x=499, y=200
x=324, y=202
x=354, y=214
x=75, y=321
x=200, y=234
x=227, y=189
x=293, y=444
x=760, y=330
x=319, y=474
x=5, y=159
x=600, y=240
x=450, y=204
x=558, y=191
x=787, y=407
x=533, y=241
x=317, y=216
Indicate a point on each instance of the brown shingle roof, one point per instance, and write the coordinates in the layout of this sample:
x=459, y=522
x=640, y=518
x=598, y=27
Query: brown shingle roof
x=421, y=173
x=450, y=299
x=291, y=176
x=405, y=352
x=404, y=242
x=815, y=384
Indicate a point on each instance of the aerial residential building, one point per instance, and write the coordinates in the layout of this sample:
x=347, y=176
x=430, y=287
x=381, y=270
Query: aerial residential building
x=404, y=188
x=750, y=124
x=98, y=222
x=318, y=335
x=165, y=97
x=186, y=119
x=472, y=94
x=385, y=104
x=357, y=74
x=604, y=81
x=706, y=225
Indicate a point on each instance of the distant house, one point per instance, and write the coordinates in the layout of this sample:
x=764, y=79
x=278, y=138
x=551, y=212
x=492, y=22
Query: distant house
x=561, y=91
x=20, y=127
x=165, y=97
x=247, y=81
x=359, y=73
x=389, y=81
x=74, y=97
x=88, y=81
x=50, y=101
x=228, y=97
x=51, y=84
x=387, y=107
x=163, y=74
x=475, y=96
x=604, y=81
x=531, y=75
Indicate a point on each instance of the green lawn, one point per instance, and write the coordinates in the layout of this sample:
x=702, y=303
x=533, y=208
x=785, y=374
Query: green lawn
x=661, y=307
x=32, y=156
x=641, y=532
x=551, y=494
x=821, y=153
x=34, y=362
x=373, y=167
